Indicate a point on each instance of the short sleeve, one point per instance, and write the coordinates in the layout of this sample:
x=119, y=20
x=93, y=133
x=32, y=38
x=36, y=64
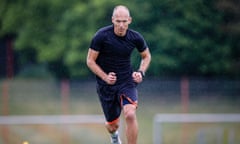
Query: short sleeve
x=97, y=41
x=141, y=44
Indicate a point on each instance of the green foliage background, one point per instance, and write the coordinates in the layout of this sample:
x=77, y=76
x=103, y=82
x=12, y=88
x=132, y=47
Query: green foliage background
x=194, y=38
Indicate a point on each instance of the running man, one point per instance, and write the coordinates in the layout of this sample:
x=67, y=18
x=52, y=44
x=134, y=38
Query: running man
x=109, y=58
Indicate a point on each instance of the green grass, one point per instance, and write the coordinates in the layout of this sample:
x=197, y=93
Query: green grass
x=30, y=97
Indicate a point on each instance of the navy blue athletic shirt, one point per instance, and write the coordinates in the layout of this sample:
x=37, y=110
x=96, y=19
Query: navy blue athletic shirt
x=115, y=52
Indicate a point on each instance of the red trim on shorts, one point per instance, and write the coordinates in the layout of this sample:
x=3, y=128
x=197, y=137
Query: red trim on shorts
x=135, y=103
x=113, y=122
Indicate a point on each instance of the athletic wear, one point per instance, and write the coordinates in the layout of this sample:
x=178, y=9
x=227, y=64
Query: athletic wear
x=115, y=52
x=112, y=99
x=115, y=139
x=114, y=56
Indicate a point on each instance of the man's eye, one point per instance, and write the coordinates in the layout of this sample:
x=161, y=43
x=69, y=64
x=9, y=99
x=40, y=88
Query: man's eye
x=124, y=21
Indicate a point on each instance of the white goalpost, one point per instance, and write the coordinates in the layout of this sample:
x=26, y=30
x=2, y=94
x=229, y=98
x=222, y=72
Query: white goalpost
x=51, y=119
x=66, y=127
x=159, y=119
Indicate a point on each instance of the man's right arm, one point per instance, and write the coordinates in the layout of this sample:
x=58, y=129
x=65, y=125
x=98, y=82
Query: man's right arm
x=96, y=69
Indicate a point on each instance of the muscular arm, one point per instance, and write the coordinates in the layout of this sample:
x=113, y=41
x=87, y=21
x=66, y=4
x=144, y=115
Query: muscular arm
x=146, y=59
x=92, y=55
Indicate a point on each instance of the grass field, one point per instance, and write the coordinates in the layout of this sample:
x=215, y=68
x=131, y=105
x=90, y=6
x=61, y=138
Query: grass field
x=41, y=97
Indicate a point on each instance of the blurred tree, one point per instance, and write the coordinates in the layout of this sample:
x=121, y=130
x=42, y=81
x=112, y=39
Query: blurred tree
x=57, y=32
x=231, y=28
x=185, y=37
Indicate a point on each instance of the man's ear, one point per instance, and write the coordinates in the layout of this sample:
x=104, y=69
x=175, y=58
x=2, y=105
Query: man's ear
x=129, y=20
x=112, y=19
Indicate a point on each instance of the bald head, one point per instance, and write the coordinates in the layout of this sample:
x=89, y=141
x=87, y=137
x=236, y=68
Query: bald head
x=121, y=19
x=120, y=9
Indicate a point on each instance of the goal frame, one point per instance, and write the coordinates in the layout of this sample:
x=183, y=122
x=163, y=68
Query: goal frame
x=51, y=119
x=159, y=119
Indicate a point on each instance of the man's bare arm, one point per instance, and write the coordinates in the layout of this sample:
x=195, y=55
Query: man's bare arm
x=145, y=62
x=92, y=55
x=146, y=59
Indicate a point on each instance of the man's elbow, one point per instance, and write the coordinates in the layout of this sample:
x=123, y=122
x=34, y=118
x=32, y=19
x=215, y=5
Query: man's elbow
x=149, y=57
x=89, y=63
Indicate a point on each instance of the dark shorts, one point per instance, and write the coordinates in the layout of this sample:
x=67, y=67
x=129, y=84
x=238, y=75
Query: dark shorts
x=113, y=98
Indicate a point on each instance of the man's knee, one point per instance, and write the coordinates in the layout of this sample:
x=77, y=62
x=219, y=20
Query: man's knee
x=130, y=112
x=112, y=127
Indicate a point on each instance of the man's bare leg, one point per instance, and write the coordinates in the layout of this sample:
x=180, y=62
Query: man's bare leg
x=131, y=123
x=112, y=129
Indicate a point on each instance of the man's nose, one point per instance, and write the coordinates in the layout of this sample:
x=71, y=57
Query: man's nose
x=121, y=24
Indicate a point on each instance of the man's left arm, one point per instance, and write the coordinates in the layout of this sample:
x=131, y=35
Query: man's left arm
x=145, y=62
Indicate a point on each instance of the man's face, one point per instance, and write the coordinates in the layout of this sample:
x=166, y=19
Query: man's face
x=121, y=20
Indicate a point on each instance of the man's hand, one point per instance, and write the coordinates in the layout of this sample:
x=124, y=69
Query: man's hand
x=111, y=78
x=137, y=77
